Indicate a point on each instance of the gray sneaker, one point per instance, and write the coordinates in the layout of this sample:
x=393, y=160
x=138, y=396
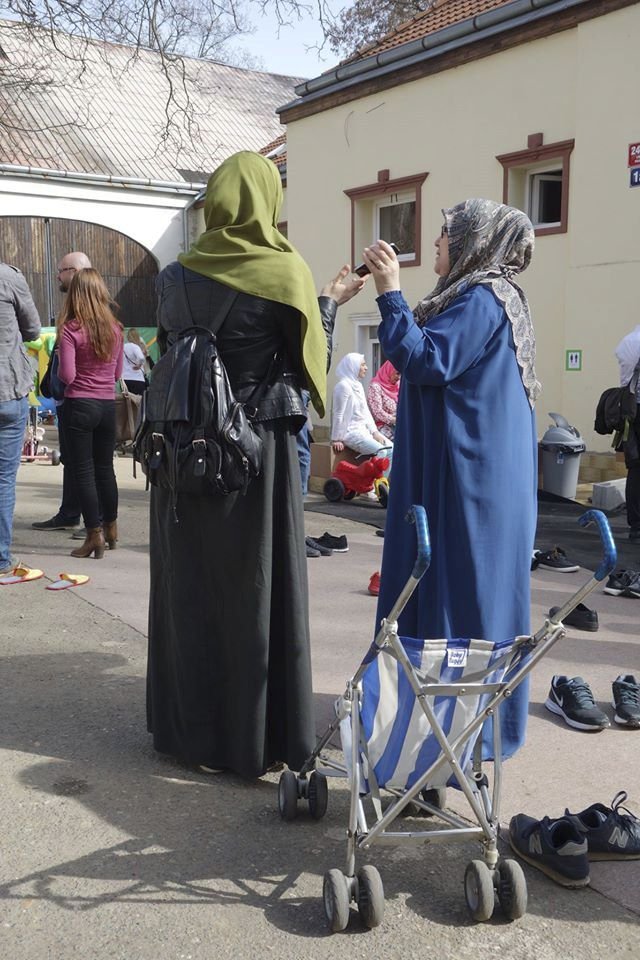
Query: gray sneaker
x=556, y=847
x=626, y=700
x=80, y=534
x=610, y=833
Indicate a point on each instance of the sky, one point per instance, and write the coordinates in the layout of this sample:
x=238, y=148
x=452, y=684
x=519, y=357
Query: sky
x=286, y=53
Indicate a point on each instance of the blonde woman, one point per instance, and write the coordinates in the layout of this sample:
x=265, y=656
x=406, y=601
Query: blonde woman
x=90, y=347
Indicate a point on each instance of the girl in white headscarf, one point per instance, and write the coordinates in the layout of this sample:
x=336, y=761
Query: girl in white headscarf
x=352, y=424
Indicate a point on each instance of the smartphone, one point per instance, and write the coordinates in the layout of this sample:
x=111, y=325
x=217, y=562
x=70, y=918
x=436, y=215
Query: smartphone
x=363, y=269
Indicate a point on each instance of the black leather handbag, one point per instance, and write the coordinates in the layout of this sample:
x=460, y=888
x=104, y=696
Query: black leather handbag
x=194, y=437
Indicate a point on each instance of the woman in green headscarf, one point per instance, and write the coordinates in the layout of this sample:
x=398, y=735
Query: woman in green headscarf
x=229, y=676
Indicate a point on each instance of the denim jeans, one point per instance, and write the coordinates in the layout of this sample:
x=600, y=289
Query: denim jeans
x=13, y=421
x=304, y=448
x=90, y=428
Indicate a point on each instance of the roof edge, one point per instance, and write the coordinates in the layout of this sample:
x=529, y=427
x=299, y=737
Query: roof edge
x=342, y=82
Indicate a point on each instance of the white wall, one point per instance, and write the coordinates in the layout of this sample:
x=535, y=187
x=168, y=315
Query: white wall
x=151, y=218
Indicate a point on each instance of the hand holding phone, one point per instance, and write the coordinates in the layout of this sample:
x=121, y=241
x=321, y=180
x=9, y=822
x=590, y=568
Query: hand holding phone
x=362, y=269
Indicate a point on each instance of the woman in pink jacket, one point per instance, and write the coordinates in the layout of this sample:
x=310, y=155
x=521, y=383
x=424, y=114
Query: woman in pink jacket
x=90, y=349
x=382, y=398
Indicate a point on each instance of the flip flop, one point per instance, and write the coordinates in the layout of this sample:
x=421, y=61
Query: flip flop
x=67, y=580
x=20, y=574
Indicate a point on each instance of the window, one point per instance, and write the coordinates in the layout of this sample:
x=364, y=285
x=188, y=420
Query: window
x=536, y=180
x=388, y=210
x=544, y=206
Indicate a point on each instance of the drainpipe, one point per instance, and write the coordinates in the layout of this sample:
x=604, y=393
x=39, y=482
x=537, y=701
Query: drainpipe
x=185, y=218
x=75, y=176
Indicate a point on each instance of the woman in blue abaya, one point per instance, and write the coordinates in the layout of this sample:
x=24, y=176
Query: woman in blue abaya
x=465, y=441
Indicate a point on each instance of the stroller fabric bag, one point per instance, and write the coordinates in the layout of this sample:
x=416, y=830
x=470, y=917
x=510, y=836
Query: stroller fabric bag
x=400, y=743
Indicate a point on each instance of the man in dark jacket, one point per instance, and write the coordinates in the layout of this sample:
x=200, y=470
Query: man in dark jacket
x=628, y=357
x=19, y=322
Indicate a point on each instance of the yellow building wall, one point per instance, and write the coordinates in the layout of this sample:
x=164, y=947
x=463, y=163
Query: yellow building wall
x=583, y=285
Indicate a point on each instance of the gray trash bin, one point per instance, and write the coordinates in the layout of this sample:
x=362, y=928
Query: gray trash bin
x=562, y=447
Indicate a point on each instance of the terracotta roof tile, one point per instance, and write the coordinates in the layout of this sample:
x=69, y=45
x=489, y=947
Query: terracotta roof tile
x=279, y=144
x=442, y=14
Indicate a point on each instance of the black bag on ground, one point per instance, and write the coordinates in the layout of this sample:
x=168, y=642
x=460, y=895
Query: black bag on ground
x=616, y=407
x=193, y=436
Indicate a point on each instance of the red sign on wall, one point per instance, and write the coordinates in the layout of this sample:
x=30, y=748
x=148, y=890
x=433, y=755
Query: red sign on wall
x=634, y=155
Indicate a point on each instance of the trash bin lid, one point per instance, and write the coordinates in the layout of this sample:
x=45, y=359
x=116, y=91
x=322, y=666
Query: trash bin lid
x=562, y=436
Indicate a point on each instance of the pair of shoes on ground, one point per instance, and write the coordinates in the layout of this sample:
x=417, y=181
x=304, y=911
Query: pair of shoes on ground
x=624, y=583
x=571, y=698
x=555, y=559
x=60, y=523
x=325, y=545
x=20, y=573
x=562, y=848
x=580, y=617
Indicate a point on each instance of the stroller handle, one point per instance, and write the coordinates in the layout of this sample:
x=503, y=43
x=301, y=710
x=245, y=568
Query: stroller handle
x=417, y=514
x=610, y=557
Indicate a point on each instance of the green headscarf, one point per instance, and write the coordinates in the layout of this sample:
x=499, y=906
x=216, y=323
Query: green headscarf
x=243, y=248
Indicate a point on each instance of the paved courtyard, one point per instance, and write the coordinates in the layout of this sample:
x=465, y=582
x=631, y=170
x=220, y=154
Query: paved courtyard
x=111, y=851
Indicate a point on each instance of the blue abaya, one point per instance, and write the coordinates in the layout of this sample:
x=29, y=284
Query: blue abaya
x=465, y=448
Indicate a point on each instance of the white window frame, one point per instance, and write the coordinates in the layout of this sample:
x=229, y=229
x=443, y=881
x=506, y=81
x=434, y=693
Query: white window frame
x=394, y=200
x=535, y=176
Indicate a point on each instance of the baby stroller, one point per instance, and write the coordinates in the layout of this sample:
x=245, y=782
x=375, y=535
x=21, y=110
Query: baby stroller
x=33, y=449
x=354, y=474
x=409, y=722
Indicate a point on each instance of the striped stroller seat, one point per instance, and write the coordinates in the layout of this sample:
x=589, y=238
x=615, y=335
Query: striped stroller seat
x=400, y=743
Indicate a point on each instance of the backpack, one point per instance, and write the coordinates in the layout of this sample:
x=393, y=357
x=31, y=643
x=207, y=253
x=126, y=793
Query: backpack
x=193, y=436
x=616, y=407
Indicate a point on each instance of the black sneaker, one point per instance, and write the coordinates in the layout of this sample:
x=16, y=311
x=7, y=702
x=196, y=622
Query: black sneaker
x=315, y=545
x=56, y=523
x=626, y=700
x=311, y=551
x=337, y=544
x=581, y=617
x=556, y=847
x=632, y=589
x=555, y=559
x=610, y=834
x=618, y=582
x=571, y=698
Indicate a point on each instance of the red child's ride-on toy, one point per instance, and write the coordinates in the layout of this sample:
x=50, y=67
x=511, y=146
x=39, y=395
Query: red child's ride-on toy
x=351, y=478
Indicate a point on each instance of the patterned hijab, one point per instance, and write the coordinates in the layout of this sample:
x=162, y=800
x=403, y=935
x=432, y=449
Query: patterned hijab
x=489, y=243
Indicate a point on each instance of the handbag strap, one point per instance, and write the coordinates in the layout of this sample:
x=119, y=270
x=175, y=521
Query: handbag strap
x=218, y=309
x=218, y=312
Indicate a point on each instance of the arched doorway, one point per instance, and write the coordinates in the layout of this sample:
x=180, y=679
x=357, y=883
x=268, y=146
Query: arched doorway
x=36, y=244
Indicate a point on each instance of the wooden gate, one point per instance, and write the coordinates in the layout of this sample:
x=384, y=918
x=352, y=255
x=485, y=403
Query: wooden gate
x=36, y=245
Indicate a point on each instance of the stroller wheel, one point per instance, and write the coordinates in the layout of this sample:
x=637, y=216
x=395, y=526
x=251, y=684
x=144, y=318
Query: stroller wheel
x=318, y=795
x=512, y=889
x=288, y=795
x=370, y=897
x=55, y=458
x=335, y=894
x=333, y=489
x=478, y=890
x=383, y=494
